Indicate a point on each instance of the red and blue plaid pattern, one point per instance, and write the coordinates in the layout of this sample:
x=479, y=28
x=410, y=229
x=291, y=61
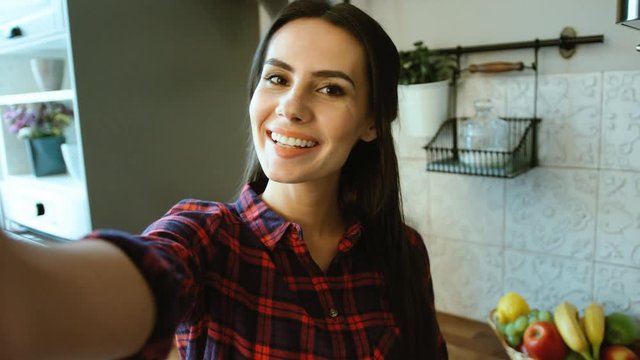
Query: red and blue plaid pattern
x=236, y=281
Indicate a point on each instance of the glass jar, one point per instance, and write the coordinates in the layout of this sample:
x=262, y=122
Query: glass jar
x=484, y=138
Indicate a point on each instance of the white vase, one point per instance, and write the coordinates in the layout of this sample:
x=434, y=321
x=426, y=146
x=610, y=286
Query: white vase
x=47, y=73
x=423, y=107
x=72, y=160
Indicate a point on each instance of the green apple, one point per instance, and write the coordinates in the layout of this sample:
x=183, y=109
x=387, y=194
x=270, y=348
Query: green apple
x=620, y=329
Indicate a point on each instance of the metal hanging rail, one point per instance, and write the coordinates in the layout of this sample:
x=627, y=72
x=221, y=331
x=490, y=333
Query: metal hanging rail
x=567, y=42
x=443, y=152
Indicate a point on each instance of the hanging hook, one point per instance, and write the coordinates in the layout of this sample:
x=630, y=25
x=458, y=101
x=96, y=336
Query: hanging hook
x=536, y=49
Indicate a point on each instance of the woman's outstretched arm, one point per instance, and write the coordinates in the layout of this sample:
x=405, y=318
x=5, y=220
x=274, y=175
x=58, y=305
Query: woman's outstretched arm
x=84, y=300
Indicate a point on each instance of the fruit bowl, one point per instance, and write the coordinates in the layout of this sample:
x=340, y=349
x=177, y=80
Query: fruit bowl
x=513, y=353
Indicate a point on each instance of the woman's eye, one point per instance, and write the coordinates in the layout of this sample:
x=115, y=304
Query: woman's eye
x=275, y=80
x=333, y=90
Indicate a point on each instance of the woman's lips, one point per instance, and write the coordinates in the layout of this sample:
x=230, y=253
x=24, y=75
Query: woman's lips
x=291, y=134
x=289, y=144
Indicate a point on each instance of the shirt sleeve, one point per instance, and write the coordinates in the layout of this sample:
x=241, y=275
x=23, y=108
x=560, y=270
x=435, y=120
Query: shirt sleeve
x=418, y=243
x=170, y=255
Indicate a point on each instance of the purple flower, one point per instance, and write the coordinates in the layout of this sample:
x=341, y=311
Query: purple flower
x=41, y=119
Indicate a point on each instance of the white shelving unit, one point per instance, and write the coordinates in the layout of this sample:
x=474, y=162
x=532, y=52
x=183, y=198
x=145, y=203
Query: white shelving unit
x=159, y=102
x=56, y=205
x=44, y=45
x=38, y=97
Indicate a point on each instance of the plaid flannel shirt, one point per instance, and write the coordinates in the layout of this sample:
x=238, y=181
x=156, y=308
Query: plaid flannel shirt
x=236, y=281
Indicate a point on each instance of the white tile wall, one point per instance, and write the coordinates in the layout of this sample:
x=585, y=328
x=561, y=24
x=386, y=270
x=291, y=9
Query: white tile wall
x=621, y=120
x=618, y=288
x=567, y=230
x=552, y=211
x=408, y=146
x=520, y=99
x=466, y=208
x=571, y=108
x=415, y=198
x=467, y=277
x=477, y=87
x=618, y=237
x=546, y=280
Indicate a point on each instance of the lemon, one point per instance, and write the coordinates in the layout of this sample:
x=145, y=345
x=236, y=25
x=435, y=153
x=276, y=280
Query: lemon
x=510, y=306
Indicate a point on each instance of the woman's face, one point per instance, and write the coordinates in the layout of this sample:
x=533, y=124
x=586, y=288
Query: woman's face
x=310, y=105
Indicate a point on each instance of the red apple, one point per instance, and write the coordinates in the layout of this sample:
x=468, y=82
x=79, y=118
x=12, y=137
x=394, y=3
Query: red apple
x=542, y=340
x=619, y=352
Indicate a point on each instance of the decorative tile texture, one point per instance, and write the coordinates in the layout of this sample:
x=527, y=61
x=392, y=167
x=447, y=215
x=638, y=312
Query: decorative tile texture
x=467, y=208
x=570, y=108
x=479, y=87
x=520, y=90
x=619, y=218
x=414, y=186
x=618, y=288
x=467, y=277
x=621, y=120
x=552, y=212
x=546, y=280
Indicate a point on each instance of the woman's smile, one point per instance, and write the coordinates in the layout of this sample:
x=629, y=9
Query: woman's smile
x=288, y=144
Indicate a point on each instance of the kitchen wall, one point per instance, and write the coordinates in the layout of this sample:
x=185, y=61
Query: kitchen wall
x=568, y=229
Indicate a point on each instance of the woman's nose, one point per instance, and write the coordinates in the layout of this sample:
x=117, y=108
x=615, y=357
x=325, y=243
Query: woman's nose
x=293, y=105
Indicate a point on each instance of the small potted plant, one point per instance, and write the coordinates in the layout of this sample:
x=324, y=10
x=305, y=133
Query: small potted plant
x=41, y=126
x=424, y=89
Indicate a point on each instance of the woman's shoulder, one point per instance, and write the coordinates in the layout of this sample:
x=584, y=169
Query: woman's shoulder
x=203, y=211
x=198, y=206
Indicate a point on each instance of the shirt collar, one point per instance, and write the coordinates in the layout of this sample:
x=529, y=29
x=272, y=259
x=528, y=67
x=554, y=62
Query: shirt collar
x=270, y=227
x=264, y=222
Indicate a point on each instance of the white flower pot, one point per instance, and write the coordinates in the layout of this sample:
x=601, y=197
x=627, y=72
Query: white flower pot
x=423, y=107
x=47, y=73
x=72, y=160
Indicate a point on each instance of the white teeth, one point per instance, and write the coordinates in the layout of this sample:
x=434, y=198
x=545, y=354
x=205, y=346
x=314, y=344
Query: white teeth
x=290, y=141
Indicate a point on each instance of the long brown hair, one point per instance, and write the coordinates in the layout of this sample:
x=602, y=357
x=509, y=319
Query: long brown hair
x=369, y=183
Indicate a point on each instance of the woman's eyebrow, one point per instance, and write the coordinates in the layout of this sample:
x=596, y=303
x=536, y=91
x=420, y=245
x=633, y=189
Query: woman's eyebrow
x=335, y=73
x=319, y=73
x=278, y=63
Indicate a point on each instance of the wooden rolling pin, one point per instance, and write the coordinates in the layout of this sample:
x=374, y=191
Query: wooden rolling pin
x=496, y=67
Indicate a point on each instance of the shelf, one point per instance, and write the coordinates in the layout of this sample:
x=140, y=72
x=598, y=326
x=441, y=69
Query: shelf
x=58, y=183
x=444, y=155
x=47, y=45
x=54, y=205
x=37, y=97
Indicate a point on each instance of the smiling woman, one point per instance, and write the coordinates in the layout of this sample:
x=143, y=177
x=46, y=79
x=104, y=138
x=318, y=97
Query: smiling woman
x=362, y=102
x=312, y=261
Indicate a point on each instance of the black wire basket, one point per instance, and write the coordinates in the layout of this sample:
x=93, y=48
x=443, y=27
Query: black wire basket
x=444, y=155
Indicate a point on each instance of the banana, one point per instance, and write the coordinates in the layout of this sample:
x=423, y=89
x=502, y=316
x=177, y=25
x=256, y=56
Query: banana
x=594, y=327
x=567, y=322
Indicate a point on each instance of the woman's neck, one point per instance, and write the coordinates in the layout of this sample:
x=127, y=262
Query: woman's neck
x=314, y=206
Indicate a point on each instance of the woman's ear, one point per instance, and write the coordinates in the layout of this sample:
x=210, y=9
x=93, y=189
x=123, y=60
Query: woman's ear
x=370, y=133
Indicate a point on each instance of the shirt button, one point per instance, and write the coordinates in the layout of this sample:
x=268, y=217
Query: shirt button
x=333, y=313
